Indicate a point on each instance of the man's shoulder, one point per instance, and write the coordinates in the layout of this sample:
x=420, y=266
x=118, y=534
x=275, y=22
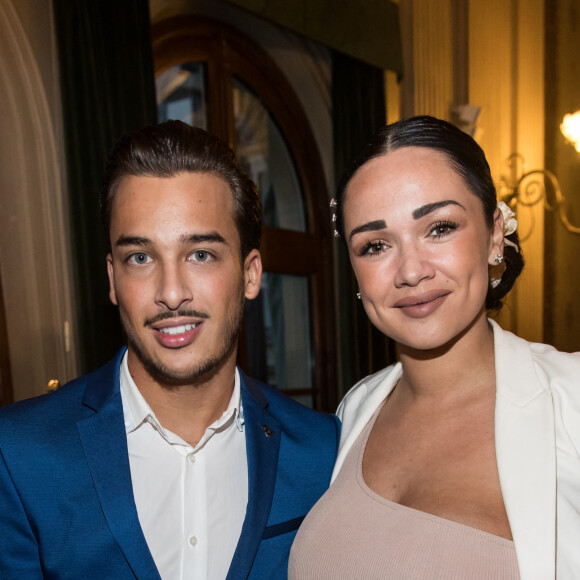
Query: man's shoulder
x=39, y=406
x=53, y=411
x=288, y=411
x=29, y=426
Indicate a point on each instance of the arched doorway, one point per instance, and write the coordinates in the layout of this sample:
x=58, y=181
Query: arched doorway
x=210, y=75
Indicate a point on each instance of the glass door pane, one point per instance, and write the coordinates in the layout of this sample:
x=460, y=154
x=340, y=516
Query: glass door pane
x=182, y=95
x=263, y=152
x=278, y=323
x=278, y=335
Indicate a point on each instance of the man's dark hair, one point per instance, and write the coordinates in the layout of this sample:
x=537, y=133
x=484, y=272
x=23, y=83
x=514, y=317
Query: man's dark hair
x=174, y=147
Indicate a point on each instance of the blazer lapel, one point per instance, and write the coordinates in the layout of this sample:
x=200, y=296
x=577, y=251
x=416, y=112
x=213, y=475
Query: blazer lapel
x=263, y=436
x=104, y=442
x=526, y=457
x=363, y=401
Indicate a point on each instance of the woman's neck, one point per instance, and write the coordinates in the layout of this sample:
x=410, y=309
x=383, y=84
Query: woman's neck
x=463, y=368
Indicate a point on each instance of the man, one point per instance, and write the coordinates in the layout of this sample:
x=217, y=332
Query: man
x=166, y=462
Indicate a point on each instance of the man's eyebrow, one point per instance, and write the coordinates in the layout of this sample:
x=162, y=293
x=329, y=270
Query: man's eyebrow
x=132, y=241
x=211, y=237
x=427, y=209
x=368, y=227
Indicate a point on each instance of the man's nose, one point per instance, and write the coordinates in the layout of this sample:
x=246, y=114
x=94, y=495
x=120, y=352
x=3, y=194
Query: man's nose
x=174, y=289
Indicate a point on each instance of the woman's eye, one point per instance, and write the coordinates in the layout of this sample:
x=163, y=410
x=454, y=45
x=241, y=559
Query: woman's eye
x=138, y=259
x=373, y=248
x=442, y=229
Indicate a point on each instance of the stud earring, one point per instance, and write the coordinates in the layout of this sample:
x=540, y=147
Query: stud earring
x=358, y=295
x=498, y=258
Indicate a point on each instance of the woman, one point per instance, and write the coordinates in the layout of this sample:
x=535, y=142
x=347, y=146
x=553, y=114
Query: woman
x=460, y=461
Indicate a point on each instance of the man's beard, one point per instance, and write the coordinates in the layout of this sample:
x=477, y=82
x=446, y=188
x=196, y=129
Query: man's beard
x=168, y=377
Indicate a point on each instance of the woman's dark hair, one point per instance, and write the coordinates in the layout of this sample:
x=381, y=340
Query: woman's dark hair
x=465, y=156
x=174, y=147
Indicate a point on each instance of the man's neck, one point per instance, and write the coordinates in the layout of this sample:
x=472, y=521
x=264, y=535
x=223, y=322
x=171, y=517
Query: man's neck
x=188, y=410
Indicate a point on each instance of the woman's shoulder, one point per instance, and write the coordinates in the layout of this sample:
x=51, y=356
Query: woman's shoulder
x=520, y=361
x=371, y=389
x=543, y=355
x=360, y=404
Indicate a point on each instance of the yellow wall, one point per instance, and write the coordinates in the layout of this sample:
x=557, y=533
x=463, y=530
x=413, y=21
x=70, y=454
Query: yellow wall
x=488, y=54
x=562, y=250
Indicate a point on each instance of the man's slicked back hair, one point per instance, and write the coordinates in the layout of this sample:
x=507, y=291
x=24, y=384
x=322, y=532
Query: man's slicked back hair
x=173, y=148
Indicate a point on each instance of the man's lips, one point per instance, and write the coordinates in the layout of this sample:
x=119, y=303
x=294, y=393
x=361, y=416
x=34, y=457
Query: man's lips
x=176, y=332
x=173, y=330
x=175, y=326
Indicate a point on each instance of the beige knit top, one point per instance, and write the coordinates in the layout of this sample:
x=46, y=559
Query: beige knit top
x=354, y=533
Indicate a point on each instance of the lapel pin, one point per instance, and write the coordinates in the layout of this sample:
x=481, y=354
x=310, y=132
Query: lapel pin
x=267, y=431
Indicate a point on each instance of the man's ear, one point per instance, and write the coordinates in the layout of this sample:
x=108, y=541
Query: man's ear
x=496, y=237
x=252, y=274
x=111, y=273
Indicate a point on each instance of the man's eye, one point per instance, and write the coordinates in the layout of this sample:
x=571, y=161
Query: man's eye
x=200, y=256
x=138, y=259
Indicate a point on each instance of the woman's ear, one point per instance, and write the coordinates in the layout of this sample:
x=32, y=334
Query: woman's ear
x=497, y=238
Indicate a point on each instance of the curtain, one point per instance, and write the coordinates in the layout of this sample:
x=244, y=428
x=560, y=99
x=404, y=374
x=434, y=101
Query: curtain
x=107, y=85
x=358, y=101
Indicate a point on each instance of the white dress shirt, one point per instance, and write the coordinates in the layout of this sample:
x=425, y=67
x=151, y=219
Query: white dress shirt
x=191, y=501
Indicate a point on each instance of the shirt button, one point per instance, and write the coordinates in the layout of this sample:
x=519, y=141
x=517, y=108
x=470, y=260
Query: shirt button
x=191, y=458
x=192, y=540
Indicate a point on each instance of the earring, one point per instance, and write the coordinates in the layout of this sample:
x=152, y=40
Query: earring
x=498, y=258
x=358, y=295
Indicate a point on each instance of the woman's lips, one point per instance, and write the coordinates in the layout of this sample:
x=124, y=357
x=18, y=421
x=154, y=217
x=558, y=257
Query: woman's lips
x=422, y=305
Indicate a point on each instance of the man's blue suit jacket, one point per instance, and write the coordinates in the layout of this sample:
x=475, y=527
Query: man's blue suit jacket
x=66, y=501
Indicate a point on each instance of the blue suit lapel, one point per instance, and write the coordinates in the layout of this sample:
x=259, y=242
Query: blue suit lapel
x=104, y=442
x=263, y=435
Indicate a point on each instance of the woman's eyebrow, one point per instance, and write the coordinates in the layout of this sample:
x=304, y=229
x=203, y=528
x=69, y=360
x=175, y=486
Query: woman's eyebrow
x=368, y=227
x=427, y=209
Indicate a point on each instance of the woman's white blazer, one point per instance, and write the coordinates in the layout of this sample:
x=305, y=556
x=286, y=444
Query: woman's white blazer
x=537, y=437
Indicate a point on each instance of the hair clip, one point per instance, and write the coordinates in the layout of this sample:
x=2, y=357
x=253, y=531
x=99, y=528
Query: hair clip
x=510, y=224
x=333, y=204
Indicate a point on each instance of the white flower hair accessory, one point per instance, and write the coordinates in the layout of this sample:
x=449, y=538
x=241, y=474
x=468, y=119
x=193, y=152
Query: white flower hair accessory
x=510, y=223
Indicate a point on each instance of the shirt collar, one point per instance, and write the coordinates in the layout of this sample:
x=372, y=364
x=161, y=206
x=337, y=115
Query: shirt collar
x=136, y=410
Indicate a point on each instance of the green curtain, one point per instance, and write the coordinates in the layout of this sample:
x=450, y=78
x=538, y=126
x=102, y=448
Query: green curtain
x=358, y=103
x=107, y=85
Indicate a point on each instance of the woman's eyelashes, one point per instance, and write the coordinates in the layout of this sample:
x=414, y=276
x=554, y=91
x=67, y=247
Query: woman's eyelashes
x=373, y=248
x=442, y=228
